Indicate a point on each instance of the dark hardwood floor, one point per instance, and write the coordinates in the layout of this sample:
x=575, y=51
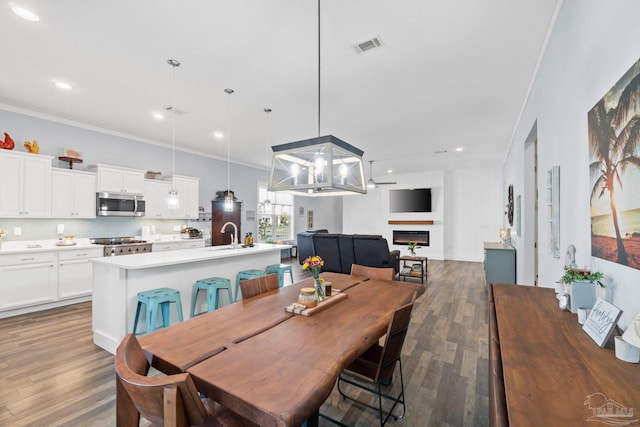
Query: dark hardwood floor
x=53, y=375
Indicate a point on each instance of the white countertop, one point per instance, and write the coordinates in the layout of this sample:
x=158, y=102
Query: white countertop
x=22, y=246
x=183, y=256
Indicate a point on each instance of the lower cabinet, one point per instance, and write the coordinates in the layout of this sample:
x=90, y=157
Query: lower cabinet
x=499, y=264
x=75, y=272
x=27, y=279
x=173, y=245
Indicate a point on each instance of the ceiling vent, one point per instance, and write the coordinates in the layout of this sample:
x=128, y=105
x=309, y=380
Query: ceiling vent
x=369, y=44
x=178, y=111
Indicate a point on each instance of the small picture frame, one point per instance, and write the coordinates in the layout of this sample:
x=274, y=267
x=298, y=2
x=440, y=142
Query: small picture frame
x=309, y=219
x=301, y=211
x=601, y=321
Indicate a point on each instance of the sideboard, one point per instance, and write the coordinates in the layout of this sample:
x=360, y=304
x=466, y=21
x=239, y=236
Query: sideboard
x=545, y=370
x=499, y=263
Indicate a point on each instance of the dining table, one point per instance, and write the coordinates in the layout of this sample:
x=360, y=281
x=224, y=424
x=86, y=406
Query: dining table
x=271, y=366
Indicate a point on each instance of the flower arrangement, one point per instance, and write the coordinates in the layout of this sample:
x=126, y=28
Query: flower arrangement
x=314, y=264
x=581, y=275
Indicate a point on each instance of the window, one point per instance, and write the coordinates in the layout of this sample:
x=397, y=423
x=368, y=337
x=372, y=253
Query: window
x=275, y=219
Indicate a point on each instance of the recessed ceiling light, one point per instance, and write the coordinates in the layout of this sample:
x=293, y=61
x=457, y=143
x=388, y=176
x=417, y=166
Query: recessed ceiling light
x=218, y=135
x=389, y=170
x=459, y=149
x=157, y=116
x=62, y=85
x=25, y=14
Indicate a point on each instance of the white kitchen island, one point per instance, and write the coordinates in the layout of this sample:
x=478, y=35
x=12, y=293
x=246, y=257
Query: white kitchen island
x=117, y=281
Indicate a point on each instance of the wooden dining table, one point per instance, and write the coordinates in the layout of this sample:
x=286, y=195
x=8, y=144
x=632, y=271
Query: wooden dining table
x=271, y=366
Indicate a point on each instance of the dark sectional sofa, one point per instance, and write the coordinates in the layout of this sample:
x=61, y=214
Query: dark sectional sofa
x=339, y=251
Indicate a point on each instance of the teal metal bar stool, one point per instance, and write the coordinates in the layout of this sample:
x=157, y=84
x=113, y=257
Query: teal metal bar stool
x=212, y=285
x=247, y=274
x=154, y=298
x=280, y=269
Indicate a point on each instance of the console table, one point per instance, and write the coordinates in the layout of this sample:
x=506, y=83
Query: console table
x=545, y=370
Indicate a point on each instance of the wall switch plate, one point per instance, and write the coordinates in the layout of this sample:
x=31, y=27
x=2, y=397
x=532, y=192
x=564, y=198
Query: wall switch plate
x=60, y=229
x=17, y=231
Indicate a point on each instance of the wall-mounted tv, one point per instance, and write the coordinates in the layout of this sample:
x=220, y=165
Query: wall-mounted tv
x=410, y=200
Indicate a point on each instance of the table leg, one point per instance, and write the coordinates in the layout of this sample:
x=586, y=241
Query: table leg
x=313, y=419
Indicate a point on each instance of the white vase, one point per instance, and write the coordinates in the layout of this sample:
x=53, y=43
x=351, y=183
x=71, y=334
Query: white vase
x=581, y=295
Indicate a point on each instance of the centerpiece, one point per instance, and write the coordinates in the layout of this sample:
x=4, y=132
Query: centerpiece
x=314, y=264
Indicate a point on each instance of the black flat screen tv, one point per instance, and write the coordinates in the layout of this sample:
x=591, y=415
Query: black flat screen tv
x=410, y=200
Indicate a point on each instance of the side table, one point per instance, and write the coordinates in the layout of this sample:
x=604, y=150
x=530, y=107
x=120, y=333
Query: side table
x=413, y=266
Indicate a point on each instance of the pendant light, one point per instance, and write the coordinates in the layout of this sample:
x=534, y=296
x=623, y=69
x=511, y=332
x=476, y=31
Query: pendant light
x=228, y=196
x=267, y=202
x=322, y=166
x=173, y=200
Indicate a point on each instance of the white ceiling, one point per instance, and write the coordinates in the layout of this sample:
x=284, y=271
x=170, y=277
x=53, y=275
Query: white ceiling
x=450, y=73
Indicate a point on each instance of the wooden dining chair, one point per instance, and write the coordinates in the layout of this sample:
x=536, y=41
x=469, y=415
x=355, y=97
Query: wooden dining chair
x=259, y=285
x=375, y=367
x=386, y=273
x=171, y=400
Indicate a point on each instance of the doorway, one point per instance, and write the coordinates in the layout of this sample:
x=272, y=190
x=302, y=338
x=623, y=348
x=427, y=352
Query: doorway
x=530, y=208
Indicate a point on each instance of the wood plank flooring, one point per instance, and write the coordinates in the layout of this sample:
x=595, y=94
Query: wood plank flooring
x=51, y=373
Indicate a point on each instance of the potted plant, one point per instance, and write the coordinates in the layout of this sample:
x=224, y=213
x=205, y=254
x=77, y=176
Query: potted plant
x=581, y=286
x=412, y=246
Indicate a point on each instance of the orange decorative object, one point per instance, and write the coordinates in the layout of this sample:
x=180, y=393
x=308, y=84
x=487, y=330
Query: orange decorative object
x=8, y=143
x=32, y=147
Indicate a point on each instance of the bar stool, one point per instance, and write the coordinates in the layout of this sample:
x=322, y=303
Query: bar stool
x=212, y=285
x=247, y=274
x=153, y=298
x=280, y=269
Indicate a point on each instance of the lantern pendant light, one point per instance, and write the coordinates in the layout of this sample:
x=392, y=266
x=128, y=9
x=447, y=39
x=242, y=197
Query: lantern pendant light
x=173, y=199
x=228, y=196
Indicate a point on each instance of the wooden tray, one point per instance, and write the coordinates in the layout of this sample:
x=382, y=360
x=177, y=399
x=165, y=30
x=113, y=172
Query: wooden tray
x=329, y=301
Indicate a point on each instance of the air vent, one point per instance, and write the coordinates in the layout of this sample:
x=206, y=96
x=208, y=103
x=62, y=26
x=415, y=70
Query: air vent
x=369, y=44
x=178, y=111
x=440, y=152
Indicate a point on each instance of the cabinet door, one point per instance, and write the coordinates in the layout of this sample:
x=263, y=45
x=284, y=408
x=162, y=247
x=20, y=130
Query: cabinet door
x=110, y=179
x=75, y=278
x=219, y=217
x=61, y=194
x=36, y=188
x=188, y=190
x=133, y=182
x=84, y=190
x=155, y=198
x=29, y=284
x=10, y=171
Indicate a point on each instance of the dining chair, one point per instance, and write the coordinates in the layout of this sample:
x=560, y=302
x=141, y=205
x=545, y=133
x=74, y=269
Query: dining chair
x=171, y=400
x=375, y=367
x=259, y=285
x=386, y=273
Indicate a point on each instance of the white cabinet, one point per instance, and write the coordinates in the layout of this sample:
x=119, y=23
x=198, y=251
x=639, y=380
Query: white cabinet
x=73, y=194
x=26, y=185
x=27, y=279
x=118, y=179
x=192, y=244
x=75, y=272
x=188, y=189
x=155, y=198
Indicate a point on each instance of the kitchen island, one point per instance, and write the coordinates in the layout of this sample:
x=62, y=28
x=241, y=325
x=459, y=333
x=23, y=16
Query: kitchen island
x=117, y=281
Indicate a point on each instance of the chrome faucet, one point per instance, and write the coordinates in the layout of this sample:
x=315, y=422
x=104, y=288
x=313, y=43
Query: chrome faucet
x=234, y=237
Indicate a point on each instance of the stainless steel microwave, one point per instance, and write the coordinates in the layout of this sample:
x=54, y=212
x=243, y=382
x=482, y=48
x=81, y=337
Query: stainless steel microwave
x=119, y=204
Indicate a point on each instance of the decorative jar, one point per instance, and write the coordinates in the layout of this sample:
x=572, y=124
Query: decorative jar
x=308, y=297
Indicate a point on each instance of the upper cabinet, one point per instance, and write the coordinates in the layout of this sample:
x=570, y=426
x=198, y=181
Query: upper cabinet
x=25, y=185
x=73, y=194
x=188, y=189
x=155, y=198
x=117, y=179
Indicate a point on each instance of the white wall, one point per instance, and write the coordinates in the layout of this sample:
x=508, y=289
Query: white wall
x=593, y=44
x=466, y=204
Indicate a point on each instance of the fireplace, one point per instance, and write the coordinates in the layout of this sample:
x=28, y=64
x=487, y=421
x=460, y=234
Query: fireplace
x=403, y=237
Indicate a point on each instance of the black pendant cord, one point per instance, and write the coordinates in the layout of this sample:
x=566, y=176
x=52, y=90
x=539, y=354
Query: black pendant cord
x=318, y=68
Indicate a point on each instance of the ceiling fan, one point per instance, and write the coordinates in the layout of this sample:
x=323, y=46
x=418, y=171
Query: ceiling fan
x=371, y=183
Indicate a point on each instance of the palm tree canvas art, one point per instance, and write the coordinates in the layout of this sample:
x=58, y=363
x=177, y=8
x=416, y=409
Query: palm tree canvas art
x=614, y=157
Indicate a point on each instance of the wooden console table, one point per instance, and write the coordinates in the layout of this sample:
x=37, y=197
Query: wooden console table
x=544, y=370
